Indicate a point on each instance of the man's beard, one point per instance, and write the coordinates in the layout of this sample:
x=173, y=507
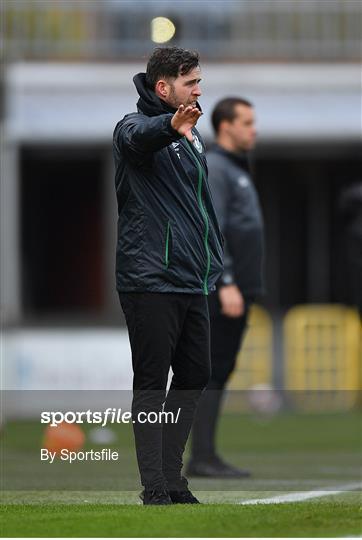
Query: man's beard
x=175, y=102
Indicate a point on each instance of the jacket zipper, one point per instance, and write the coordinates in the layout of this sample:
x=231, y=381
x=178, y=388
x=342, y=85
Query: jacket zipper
x=204, y=215
x=167, y=259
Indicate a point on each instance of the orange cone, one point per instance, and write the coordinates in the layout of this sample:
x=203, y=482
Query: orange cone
x=68, y=436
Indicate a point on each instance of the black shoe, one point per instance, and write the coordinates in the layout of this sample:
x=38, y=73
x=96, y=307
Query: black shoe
x=183, y=497
x=215, y=468
x=154, y=496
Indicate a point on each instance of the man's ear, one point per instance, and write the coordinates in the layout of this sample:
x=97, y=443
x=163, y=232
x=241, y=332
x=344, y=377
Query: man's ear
x=162, y=89
x=224, y=126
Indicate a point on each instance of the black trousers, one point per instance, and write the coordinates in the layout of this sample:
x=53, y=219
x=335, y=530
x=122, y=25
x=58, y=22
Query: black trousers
x=166, y=330
x=226, y=336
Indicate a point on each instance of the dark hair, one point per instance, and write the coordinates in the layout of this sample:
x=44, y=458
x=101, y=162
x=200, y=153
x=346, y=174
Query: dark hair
x=225, y=110
x=166, y=62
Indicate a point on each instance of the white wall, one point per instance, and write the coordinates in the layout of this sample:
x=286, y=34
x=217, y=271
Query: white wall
x=57, y=102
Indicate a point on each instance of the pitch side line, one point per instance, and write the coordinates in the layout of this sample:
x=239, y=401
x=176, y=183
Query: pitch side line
x=304, y=495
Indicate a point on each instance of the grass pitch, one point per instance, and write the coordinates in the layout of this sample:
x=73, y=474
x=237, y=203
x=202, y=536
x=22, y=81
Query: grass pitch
x=336, y=518
x=287, y=453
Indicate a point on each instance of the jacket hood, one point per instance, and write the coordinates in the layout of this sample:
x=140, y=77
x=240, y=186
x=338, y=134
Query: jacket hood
x=148, y=102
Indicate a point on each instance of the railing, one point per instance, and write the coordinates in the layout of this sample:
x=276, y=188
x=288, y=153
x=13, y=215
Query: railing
x=244, y=30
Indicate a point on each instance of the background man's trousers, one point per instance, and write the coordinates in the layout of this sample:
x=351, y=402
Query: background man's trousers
x=226, y=335
x=166, y=330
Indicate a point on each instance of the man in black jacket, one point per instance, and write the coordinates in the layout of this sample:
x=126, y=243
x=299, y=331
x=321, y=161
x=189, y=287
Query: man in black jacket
x=240, y=218
x=169, y=257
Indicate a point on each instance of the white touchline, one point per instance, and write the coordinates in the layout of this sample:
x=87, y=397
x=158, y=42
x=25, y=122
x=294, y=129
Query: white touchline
x=304, y=495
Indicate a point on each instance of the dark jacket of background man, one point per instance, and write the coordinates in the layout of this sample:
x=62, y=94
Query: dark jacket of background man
x=240, y=219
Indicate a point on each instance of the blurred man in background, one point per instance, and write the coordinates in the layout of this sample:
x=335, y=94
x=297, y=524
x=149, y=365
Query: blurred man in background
x=169, y=256
x=240, y=218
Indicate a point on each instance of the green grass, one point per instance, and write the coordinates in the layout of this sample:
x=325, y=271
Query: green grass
x=285, y=453
x=307, y=519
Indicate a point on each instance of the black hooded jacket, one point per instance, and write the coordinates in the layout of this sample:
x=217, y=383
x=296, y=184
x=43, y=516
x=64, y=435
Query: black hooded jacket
x=168, y=235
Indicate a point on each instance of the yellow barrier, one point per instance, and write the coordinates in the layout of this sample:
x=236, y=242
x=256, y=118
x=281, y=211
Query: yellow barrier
x=254, y=362
x=322, y=356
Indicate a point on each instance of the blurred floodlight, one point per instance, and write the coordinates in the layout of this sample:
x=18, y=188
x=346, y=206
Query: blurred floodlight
x=162, y=30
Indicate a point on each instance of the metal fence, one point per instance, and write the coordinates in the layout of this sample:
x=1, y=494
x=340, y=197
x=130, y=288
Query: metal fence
x=245, y=30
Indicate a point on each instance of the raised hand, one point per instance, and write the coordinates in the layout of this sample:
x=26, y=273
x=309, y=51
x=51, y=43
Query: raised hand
x=184, y=119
